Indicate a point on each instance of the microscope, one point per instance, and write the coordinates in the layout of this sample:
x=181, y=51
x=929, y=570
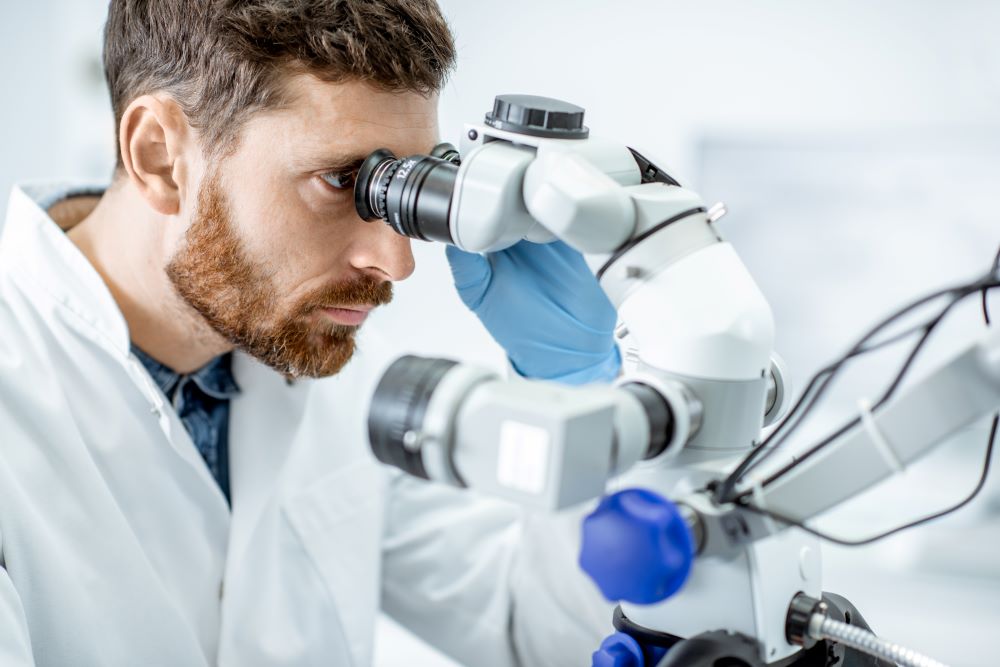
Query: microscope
x=711, y=562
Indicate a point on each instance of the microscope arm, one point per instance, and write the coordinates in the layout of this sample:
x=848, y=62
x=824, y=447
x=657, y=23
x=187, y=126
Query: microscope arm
x=958, y=393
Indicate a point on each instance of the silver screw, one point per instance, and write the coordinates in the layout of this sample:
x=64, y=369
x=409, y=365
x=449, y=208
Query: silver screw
x=412, y=440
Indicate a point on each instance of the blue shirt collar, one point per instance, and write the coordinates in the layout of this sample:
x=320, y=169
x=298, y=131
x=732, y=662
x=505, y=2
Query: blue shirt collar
x=214, y=378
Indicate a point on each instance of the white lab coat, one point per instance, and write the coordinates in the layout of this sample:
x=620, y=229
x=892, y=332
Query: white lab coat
x=117, y=547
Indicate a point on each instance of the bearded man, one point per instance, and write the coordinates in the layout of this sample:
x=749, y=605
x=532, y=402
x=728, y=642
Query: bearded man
x=184, y=472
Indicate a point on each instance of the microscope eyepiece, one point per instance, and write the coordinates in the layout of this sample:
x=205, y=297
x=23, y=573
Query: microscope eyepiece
x=366, y=199
x=412, y=194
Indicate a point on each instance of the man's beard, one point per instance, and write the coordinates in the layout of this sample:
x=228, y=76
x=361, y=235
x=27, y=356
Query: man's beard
x=238, y=299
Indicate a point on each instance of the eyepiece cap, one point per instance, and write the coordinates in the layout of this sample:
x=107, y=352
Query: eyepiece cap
x=537, y=116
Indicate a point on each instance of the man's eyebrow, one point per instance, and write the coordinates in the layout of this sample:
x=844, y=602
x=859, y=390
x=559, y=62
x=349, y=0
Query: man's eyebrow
x=334, y=163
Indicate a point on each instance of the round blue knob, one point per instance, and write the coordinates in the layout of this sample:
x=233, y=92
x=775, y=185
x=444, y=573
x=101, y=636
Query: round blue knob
x=637, y=547
x=618, y=650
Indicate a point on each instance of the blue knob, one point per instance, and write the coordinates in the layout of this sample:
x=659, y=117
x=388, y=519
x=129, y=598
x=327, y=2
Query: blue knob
x=618, y=650
x=637, y=547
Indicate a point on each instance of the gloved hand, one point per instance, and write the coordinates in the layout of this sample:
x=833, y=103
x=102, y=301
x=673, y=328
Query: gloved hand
x=545, y=308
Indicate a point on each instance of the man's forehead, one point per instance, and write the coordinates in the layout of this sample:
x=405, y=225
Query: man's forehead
x=353, y=116
x=358, y=103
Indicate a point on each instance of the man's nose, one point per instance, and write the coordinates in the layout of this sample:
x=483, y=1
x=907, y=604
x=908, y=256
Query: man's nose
x=380, y=250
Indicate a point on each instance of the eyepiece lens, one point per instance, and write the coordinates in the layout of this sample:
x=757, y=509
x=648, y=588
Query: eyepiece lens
x=372, y=172
x=412, y=195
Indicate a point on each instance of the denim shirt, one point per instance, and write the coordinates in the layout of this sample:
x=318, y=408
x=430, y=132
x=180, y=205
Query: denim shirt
x=201, y=399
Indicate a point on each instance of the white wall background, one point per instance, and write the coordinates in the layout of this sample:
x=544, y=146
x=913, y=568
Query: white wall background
x=857, y=144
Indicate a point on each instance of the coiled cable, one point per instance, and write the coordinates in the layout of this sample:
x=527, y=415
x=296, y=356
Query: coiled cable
x=823, y=627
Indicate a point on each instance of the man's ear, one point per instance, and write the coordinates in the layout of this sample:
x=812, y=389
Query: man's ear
x=156, y=141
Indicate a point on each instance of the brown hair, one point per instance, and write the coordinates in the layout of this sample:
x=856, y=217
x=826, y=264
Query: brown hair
x=224, y=60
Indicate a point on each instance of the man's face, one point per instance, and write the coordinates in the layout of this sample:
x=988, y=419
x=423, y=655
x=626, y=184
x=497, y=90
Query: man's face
x=276, y=259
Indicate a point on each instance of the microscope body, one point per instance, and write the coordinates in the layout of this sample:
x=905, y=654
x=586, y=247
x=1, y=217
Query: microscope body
x=700, y=383
x=696, y=324
x=699, y=335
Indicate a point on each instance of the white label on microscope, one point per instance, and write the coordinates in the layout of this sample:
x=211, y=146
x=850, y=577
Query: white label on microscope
x=523, y=459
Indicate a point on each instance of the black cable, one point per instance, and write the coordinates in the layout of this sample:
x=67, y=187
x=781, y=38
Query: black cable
x=856, y=350
x=985, y=305
x=983, y=286
x=900, y=376
x=807, y=399
x=908, y=363
x=745, y=504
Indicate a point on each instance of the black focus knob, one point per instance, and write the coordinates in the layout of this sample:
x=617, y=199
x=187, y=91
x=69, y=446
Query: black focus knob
x=537, y=116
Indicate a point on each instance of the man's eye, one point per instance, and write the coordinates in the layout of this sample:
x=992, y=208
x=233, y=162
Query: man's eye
x=341, y=180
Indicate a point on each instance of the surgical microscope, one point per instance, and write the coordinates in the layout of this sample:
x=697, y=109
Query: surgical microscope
x=710, y=561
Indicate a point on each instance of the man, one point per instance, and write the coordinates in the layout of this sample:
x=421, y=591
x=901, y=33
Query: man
x=177, y=484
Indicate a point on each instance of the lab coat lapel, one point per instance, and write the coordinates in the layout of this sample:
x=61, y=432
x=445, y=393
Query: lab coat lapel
x=131, y=461
x=292, y=451
x=338, y=520
x=43, y=260
x=263, y=421
x=340, y=516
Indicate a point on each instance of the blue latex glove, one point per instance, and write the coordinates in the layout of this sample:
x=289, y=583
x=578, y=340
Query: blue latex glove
x=545, y=308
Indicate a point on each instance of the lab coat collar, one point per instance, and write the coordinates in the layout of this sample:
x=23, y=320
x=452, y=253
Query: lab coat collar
x=39, y=255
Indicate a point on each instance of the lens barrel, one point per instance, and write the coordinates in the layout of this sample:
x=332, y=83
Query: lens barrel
x=412, y=195
x=398, y=407
x=659, y=416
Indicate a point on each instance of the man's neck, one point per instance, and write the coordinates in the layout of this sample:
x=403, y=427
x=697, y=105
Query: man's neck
x=125, y=241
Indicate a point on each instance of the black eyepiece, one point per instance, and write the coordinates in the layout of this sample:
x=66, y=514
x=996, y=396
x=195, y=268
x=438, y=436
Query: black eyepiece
x=412, y=195
x=366, y=200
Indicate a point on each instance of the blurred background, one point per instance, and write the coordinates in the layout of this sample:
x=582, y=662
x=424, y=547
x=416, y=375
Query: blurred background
x=856, y=144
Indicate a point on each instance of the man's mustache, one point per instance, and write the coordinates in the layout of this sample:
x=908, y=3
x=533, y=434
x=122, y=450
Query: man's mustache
x=361, y=291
